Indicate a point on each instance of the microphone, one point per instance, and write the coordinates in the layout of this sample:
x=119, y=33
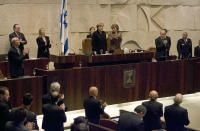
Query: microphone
x=59, y=51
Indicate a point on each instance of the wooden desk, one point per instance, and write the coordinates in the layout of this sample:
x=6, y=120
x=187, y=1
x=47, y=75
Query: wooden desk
x=18, y=87
x=63, y=62
x=29, y=65
x=167, y=77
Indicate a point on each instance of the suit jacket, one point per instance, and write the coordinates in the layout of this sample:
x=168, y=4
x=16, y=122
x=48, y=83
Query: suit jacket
x=176, y=117
x=54, y=117
x=20, y=36
x=4, y=114
x=15, y=60
x=184, y=48
x=93, y=109
x=99, y=42
x=129, y=121
x=31, y=116
x=13, y=126
x=46, y=99
x=43, y=50
x=162, y=51
x=197, y=51
x=152, y=118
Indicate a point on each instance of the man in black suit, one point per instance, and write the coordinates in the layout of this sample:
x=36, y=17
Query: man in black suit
x=93, y=107
x=154, y=112
x=184, y=47
x=53, y=115
x=15, y=58
x=19, y=35
x=132, y=121
x=197, y=50
x=99, y=42
x=31, y=116
x=17, y=124
x=175, y=116
x=54, y=87
x=163, y=44
x=4, y=107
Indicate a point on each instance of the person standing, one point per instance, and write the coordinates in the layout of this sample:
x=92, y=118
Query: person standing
x=44, y=44
x=197, y=50
x=176, y=116
x=154, y=112
x=163, y=44
x=99, y=42
x=115, y=38
x=184, y=47
x=19, y=35
x=16, y=57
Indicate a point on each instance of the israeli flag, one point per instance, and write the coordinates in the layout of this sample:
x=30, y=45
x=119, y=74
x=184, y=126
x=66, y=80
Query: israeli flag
x=64, y=27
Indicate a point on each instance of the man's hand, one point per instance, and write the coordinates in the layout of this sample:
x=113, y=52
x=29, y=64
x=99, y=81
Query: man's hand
x=104, y=104
x=165, y=42
x=63, y=106
x=95, y=53
x=30, y=125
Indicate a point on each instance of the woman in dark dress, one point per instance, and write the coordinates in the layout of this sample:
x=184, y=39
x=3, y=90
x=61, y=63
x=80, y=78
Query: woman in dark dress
x=43, y=43
x=92, y=30
x=99, y=42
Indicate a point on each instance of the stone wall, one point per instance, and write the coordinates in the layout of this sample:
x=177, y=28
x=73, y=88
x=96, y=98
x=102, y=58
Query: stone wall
x=139, y=20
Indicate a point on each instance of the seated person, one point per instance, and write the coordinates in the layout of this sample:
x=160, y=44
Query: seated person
x=31, y=116
x=92, y=30
x=115, y=38
x=76, y=125
x=132, y=121
x=15, y=58
x=93, y=107
x=4, y=107
x=18, y=122
x=99, y=42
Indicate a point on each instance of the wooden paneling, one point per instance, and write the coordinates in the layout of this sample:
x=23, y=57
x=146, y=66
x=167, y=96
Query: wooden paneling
x=167, y=77
x=18, y=87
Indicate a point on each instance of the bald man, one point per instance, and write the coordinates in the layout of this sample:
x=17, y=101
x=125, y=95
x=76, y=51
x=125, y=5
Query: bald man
x=16, y=57
x=163, y=44
x=154, y=112
x=176, y=116
x=93, y=107
x=184, y=47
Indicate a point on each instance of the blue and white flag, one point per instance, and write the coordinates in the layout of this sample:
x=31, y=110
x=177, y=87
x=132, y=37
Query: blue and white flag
x=64, y=27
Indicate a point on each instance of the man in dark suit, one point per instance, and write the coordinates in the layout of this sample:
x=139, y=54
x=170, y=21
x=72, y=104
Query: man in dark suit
x=4, y=107
x=184, y=47
x=154, y=112
x=17, y=124
x=31, y=116
x=132, y=121
x=175, y=116
x=163, y=44
x=99, y=42
x=93, y=107
x=19, y=35
x=197, y=50
x=15, y=58
x=53, y=115
x=54, y=87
